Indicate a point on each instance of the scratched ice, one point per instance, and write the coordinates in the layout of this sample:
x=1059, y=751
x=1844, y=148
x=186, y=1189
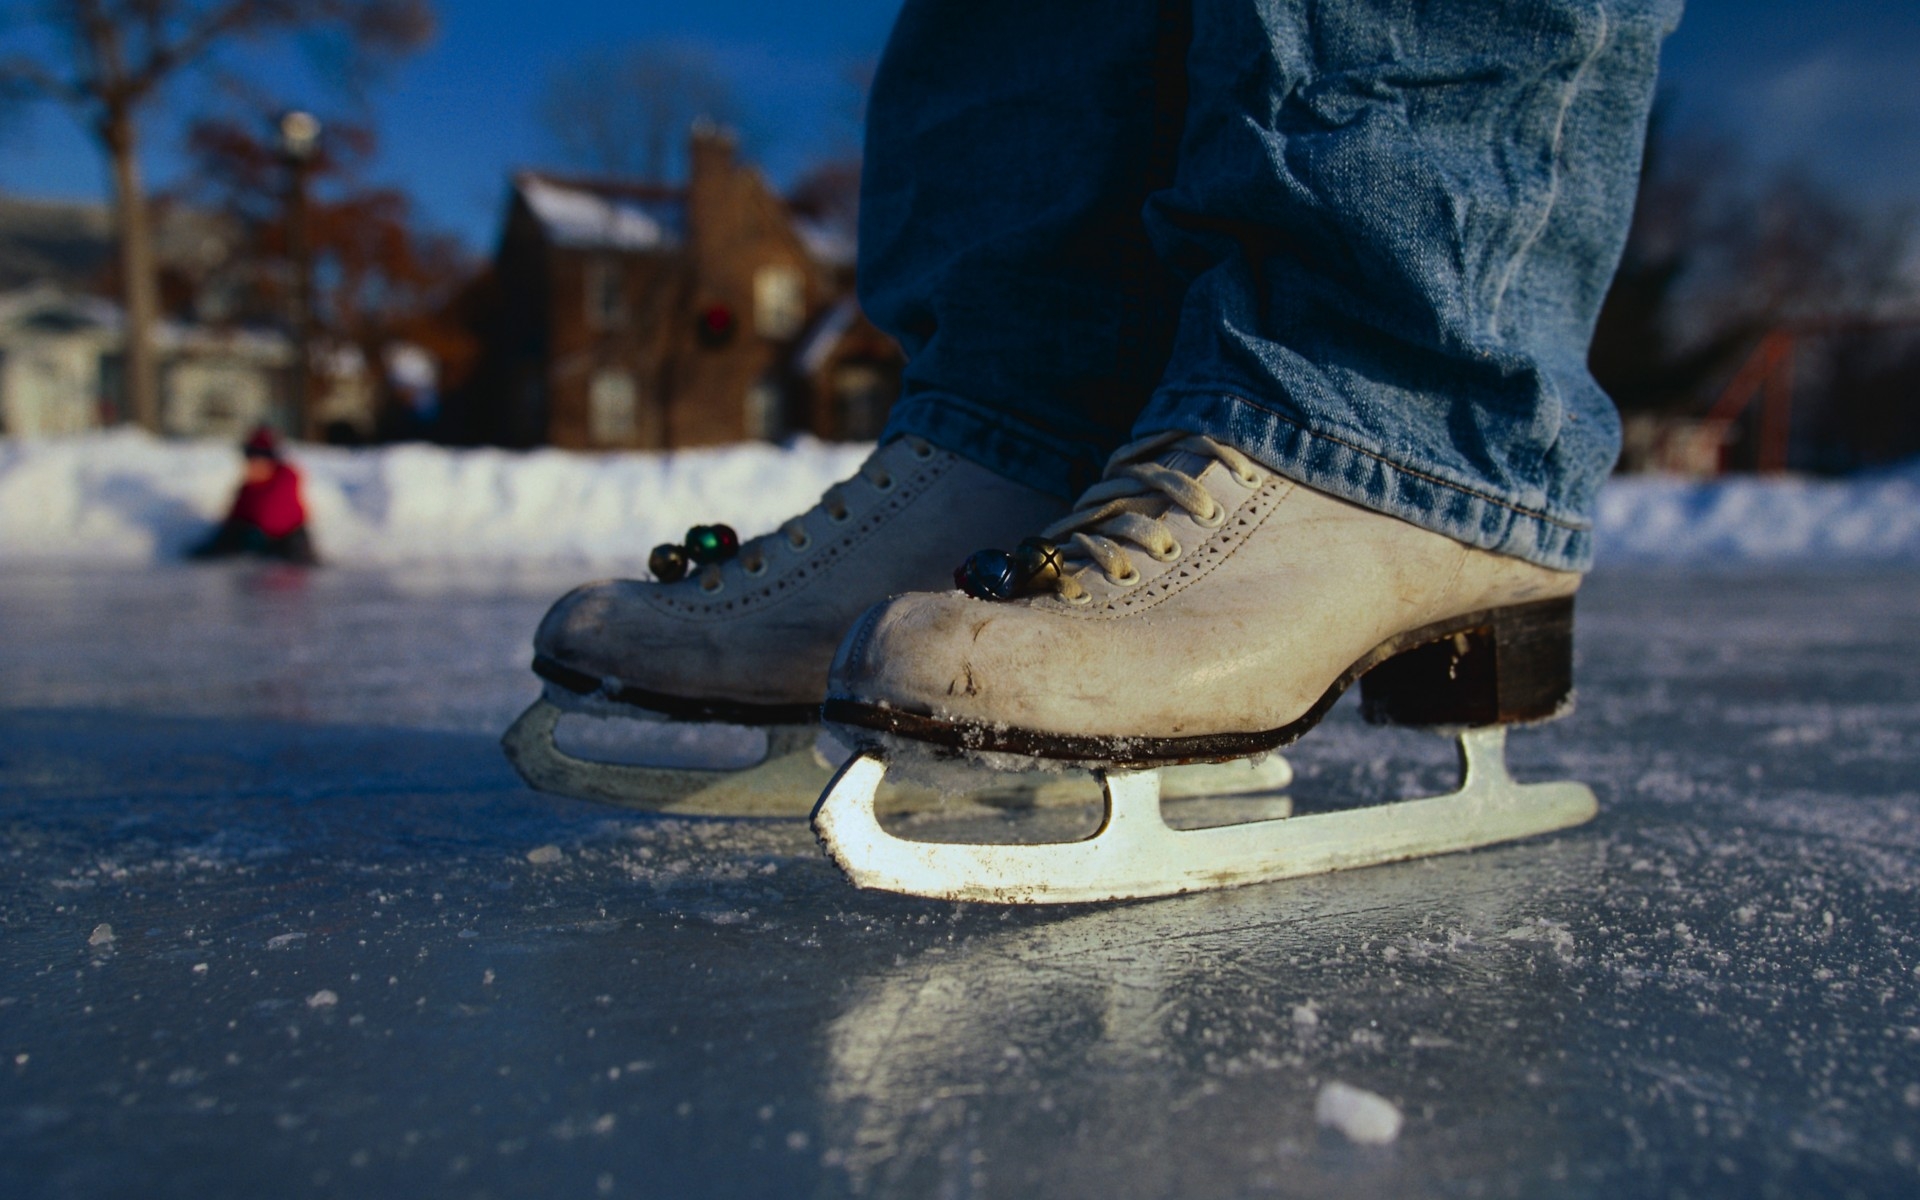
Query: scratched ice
x=349, y=954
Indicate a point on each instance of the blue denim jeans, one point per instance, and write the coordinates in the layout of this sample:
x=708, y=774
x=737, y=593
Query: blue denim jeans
x=1364, y=242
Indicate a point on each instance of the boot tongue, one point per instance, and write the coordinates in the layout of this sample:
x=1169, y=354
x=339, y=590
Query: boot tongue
x=1153, y=504
x=1184, y=461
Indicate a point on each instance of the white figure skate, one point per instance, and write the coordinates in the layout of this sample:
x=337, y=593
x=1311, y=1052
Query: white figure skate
x=788, y=777
x=745, y=640
x=1255, y=605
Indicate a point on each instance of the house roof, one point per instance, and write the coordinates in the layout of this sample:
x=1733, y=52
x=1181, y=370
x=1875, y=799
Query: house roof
x=70, y=243
x=610, y=214
x=830, y=245
x=604, y=215
x=48, y=310
x=53, y=240
x=824, y=338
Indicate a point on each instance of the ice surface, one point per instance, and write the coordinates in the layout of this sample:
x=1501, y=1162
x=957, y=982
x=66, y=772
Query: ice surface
x=274, y=784
x=123, y=497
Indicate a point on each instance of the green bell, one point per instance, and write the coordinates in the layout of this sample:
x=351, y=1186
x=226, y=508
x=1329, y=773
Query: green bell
x=712, y=543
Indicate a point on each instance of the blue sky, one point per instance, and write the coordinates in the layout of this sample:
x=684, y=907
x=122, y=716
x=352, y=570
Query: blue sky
x=1833, y=84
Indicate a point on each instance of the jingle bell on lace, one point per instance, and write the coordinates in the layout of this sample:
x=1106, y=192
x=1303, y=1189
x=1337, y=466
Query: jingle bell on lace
x=988, y=575
x=712, y=543
x=1037, y=564
x=668, y=563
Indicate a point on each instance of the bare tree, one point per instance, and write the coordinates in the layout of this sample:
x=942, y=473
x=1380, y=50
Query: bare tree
x=109, y=61
x=1722, y=252
x=625, y=112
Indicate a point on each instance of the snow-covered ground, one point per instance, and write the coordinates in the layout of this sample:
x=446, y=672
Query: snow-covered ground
x=124, y=497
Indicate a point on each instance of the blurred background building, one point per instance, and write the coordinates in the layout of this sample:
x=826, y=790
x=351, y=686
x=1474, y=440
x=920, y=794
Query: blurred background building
x=636, y=316
x=672, y=260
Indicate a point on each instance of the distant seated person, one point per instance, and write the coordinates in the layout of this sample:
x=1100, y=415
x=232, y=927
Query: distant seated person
x=267, y=517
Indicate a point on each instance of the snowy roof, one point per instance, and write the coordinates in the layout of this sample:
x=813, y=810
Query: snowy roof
x=585, y=216
x=48, y=310
x=827, y=245
x=820, y=342
x=51, y=305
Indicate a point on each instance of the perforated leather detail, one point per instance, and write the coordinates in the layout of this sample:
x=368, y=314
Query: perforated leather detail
x=1195, y=564
x=790, y=572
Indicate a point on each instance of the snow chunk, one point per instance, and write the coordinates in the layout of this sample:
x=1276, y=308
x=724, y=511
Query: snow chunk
x=541, y=856
x=324, y=998
x=102, y=935
x=1364, y=1117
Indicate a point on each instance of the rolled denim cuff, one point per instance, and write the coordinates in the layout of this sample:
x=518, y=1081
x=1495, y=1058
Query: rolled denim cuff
x=999, y=441
x=1371, y=477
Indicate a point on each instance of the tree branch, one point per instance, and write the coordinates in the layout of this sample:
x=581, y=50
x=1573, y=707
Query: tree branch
x=22, y=78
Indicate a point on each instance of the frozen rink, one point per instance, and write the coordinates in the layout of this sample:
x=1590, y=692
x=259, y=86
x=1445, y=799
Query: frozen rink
x=277, y=919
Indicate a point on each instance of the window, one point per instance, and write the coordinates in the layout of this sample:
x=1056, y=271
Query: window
x=779, y=302
x=613, y=408
x=765, y=420
x=606, y=288
x=861, y=400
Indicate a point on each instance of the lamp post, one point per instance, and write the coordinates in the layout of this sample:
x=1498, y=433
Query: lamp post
x=299, y=145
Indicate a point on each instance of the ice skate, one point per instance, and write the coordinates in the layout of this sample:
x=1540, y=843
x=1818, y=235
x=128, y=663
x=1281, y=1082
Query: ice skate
x=1198, y=607
x=735, y=640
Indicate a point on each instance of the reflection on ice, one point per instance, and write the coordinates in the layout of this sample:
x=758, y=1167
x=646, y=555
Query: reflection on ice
x=1146, y=1022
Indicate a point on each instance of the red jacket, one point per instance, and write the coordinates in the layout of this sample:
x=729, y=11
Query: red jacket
x=273, y=506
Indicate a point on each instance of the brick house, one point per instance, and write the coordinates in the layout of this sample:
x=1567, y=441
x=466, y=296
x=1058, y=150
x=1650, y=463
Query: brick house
x=642, y=317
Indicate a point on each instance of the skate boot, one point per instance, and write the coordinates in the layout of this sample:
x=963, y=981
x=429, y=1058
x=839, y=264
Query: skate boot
x=734, y=641
x=1197, y=607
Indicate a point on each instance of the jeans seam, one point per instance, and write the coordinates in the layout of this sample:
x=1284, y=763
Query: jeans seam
x=1556, y=151
x=1508, y=505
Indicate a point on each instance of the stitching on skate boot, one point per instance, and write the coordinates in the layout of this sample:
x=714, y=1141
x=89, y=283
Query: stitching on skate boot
x=732, y=712
x=1146, y=752
x=686, y=602
x=1189, y=569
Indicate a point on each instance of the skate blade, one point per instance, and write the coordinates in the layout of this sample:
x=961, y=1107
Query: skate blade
x=767, y=788
x=790, y=777
x=1135, y=854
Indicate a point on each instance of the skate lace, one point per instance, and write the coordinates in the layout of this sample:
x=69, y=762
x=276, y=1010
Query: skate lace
x=753, y=556
x=1125, y=510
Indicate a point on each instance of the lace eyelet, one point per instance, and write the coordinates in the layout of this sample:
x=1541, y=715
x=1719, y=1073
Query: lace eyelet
x=1170, y=555
x=1080, y=601
x=800, y=546
x=1128, y=580
x=1215, y=519
x=712, y=586
x=883, y=488
x=923, y=453
x=757, y=569
x=845, y=516
x=1246, y=481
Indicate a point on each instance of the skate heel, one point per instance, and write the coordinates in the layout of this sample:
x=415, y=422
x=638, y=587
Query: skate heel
x=1516, y=666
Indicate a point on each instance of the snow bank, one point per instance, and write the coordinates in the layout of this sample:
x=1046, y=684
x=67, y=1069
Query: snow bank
x=125, y=497
x=1871, y=516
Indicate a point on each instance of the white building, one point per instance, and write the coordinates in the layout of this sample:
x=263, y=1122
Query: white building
x=61, y=365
